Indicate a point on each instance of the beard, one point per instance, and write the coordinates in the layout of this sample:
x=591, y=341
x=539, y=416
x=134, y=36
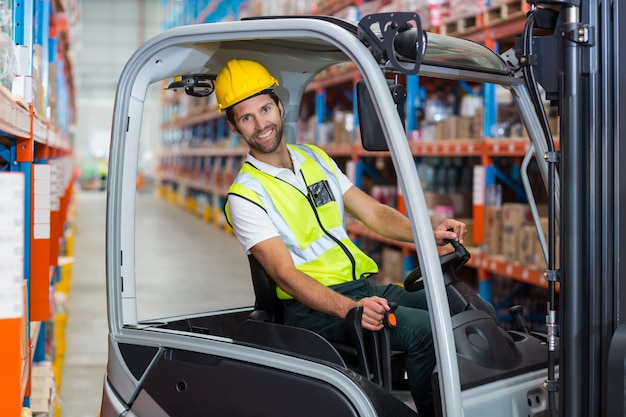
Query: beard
x=267, y=146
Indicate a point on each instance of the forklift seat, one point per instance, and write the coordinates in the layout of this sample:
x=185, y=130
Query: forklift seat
x=369, y=354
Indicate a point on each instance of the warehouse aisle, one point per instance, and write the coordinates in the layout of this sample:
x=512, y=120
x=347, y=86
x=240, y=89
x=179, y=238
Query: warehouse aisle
x=179, y=253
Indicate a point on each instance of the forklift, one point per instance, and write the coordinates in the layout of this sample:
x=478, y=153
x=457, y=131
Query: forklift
x=237, y=362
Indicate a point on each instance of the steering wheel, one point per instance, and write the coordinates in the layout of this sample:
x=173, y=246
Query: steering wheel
x=450, y=262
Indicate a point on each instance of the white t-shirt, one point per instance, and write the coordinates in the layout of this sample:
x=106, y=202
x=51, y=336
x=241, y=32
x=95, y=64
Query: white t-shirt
x=251, y=224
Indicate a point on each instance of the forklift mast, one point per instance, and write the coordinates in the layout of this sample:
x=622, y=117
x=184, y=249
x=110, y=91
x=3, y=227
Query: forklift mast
x=586, y=87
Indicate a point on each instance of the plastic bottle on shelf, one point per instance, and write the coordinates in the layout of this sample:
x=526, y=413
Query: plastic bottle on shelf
x=426, y=172
x=466, y=172
x=493, y=195
x=441, y=169
x=452, y=175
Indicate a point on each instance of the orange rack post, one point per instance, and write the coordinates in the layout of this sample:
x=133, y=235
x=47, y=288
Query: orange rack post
x=13, y=366
x=40, y=302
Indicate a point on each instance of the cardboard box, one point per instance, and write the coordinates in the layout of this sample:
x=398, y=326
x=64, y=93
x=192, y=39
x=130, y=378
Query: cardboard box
x=530, y=252
x=461, y=204
x=514, y=216
x=493, y=230
x=478, y=124
x=41, y=387
x=464, y=127
x=24, y=88
x=343, y=127
x=527, y=244
x=439, y=131
x=437, y=199
x=450, y=128
x=540, y=260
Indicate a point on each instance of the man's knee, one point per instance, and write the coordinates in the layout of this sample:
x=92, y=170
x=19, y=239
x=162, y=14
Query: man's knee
x=413, y=331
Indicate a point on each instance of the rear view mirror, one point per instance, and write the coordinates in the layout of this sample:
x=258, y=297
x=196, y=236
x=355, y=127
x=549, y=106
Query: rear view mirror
x=372, y=134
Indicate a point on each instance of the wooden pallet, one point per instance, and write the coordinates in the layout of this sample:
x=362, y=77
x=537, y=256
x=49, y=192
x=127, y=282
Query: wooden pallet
x=461, y=25
x=492, y=16
x=504, y=11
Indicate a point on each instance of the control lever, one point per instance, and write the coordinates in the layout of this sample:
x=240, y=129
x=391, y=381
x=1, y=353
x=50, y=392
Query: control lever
x=390, y=316
x=517, y=314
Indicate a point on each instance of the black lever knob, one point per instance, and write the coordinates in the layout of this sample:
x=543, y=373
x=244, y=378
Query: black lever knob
x=517, y=314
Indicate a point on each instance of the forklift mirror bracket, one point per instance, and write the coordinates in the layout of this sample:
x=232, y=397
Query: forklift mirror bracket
x=583, y=34
x=399, y=38
x=551, y=385
x=552, y=157
x=551, y=275
x=526, y=60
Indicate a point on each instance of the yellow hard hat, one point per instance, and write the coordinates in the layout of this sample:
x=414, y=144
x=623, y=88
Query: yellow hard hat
x=241, y=79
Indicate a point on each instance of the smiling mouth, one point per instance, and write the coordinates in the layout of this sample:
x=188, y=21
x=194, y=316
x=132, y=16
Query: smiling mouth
x=265, y=134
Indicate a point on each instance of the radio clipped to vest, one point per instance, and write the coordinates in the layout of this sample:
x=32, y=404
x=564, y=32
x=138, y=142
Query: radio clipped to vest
x=321, y=193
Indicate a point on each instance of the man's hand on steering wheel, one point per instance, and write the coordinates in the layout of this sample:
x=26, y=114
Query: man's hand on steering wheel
x=450, y=229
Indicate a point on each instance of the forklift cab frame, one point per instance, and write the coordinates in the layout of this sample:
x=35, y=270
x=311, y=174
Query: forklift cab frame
x=164, y=367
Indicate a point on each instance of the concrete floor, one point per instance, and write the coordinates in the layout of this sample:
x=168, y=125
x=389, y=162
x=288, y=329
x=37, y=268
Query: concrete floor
x=183, y=265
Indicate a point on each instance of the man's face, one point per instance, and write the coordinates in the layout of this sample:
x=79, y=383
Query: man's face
x=258, y=120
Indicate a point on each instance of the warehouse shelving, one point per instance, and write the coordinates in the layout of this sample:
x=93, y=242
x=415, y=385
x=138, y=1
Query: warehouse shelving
x=186, y=170
x=452, y=147
x=175, y=170
x=36, y=148
x=177, y=165
x=491, y=264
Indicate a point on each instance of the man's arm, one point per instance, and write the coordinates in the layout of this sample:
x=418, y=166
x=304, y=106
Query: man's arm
x=389, y=222
x=276, y=260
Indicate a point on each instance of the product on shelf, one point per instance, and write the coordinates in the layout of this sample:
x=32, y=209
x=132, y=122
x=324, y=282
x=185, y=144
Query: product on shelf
x=493, y=230
x=8, y=62
x=514, y=217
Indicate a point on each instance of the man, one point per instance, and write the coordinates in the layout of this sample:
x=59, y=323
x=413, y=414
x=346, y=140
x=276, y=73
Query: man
x=286, y=207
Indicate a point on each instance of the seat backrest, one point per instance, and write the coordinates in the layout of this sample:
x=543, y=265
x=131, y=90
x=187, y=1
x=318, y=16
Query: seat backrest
x=265, y=292
x=374, y=356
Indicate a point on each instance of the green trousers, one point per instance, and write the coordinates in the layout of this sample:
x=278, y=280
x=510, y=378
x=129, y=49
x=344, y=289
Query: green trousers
x=412, y=333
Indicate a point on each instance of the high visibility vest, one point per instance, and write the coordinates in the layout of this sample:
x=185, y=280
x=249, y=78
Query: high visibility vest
x=311, y=225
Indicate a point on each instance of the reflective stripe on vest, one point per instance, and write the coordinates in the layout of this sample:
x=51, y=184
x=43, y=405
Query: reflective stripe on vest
x=312, y=226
